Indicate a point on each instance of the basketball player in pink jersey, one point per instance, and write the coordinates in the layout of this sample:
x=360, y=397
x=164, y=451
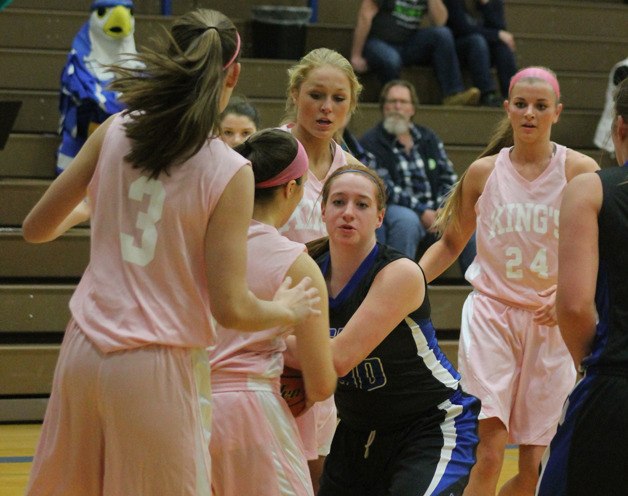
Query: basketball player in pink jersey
x=322, y=93
x=170, y=207
x=262, y=440
x=511, y=354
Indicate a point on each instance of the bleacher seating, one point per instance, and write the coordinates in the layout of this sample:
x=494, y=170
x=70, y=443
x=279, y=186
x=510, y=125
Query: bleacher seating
x=572, y=37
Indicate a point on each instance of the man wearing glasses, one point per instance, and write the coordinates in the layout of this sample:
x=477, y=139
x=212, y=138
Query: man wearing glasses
x=412, y=161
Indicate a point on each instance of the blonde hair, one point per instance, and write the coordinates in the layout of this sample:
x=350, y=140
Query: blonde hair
x=174, y=100
x=319, y=57
x=448, y=214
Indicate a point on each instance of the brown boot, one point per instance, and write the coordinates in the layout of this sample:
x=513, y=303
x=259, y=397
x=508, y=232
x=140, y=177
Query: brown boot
x=470, y=96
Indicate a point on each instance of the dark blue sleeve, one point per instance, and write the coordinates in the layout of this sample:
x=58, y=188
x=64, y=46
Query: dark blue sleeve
x=458, y=19
x=494, y=19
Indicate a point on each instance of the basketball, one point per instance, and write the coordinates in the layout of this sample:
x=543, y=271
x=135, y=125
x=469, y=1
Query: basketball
x=293, y=390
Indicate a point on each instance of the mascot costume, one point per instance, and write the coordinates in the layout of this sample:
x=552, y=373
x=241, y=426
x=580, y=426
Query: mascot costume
x=107, y=38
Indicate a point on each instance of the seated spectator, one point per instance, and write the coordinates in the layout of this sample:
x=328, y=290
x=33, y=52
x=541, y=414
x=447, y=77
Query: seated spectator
x=238, y=121
x=501, y=42
x=412, y=161
x=482, y=42
x=388, y=36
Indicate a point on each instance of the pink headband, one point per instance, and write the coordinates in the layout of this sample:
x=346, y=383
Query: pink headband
x=235, y=53
x=537, y=73
x=296, y=169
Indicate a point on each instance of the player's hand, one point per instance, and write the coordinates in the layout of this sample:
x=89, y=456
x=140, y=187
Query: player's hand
x=302, y=300
x=546, y=313
x=427, y=219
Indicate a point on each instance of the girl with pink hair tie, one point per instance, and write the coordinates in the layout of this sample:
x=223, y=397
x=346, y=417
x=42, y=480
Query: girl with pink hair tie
x=511, y=353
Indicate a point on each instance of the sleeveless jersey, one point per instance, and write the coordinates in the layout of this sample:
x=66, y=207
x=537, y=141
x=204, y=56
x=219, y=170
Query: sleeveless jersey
x=405, y=375
x=610, y=346
x=517, y=232
x=306, y=222
x=146, y=280
x=258, y=354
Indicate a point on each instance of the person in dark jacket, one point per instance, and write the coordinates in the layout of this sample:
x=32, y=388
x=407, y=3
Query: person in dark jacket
x=412, y=161
x=482, y=41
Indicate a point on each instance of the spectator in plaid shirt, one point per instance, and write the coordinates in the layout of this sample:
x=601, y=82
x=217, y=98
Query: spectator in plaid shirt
x=412, y=161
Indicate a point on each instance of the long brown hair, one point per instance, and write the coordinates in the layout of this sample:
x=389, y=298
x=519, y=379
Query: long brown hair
x=174, y=99
x=270, y=151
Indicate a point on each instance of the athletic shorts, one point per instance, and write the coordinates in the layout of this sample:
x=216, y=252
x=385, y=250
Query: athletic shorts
x=431, y=456
x=588, y=454
x=255, y=447
x=521, y=371
x=317, y=427
x=128, y=422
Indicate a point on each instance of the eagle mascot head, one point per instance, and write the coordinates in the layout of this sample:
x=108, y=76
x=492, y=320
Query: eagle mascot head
x=106, y=38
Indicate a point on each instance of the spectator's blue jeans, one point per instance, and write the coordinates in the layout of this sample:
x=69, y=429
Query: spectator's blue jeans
x=429, y=45
x=474, y=54
x=402, y=230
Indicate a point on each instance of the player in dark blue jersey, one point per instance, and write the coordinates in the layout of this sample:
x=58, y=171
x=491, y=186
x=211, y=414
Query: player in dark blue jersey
x=588, y=453
x=405, y=426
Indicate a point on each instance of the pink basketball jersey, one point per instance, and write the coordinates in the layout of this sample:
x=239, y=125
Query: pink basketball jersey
x=517, y=232
x=306, y=222
x=146, y=281
x=258, y=354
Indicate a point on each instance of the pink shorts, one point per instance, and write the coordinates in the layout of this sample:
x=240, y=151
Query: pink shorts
x=128, y=422
x=317, y=427
x=255, y=447
x=521, y=371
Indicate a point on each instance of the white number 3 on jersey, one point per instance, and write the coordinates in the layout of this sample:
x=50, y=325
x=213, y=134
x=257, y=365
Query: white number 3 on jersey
x=143, y=254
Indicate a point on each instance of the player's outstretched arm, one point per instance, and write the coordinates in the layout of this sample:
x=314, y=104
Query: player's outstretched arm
x=578, y=256
x=397, y=290
x=55, y=212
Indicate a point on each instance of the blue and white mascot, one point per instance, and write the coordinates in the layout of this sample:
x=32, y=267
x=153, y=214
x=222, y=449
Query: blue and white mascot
x=84, y=102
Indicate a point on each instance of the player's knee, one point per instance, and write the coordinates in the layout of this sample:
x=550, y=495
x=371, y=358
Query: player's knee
x=489, y=461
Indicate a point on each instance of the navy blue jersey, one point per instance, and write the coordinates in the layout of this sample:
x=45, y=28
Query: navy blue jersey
x=610, y=347
x=588, y=453
x=406, y=374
